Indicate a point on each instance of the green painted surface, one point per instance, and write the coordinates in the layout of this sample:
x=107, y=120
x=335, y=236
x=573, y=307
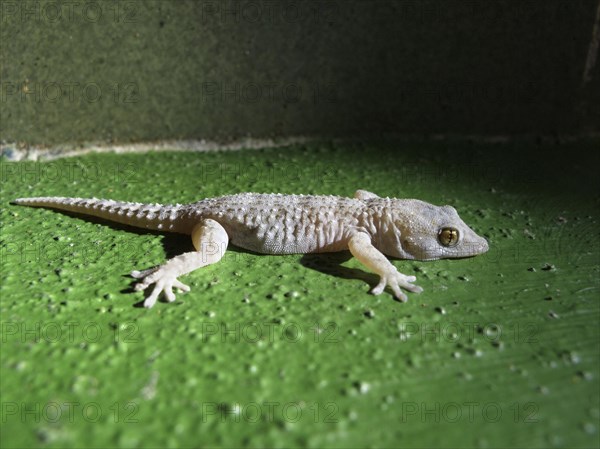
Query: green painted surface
x=500, y=350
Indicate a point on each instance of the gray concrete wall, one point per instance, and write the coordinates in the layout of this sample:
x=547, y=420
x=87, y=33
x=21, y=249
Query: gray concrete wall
x=78, y=71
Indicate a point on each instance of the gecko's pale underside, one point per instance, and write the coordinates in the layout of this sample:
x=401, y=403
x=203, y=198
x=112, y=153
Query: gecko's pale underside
x=367, y=225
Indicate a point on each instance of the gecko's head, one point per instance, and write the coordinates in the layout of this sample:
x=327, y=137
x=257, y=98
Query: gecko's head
x=429, y=232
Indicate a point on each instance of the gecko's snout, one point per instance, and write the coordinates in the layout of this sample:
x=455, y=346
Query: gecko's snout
x=473, y=245
x=483, y=246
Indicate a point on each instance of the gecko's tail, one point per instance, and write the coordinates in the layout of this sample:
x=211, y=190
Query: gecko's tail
x=147, y=216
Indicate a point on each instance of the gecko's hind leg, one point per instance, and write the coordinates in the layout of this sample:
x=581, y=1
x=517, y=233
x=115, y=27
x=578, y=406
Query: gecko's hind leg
x=210, y=240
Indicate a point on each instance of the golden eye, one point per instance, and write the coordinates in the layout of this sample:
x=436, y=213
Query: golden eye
x=448, y=236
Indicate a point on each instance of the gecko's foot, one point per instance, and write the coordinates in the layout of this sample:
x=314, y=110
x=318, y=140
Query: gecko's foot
x=164, y=279
x=396, y=280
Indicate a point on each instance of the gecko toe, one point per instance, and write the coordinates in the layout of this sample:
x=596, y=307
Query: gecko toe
x=151, y=300
x=181, y=286
x=169, y=293
x=413, y=288
x=140, y=286
x=400, y=296
x=378, y=289
x=163, y=281
x=397, y=281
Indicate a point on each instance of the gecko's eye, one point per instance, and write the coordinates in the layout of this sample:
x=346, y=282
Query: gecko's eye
x=448, y=237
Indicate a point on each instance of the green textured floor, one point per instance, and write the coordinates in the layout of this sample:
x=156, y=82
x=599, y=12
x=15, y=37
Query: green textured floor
x=500, y=350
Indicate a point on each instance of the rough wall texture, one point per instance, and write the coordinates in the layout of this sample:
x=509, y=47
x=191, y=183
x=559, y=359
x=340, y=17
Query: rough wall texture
x=135, y=71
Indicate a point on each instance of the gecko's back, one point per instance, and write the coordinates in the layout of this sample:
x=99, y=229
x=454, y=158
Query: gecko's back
x=282, y=224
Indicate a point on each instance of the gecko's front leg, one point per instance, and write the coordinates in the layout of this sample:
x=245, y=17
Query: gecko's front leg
x=361, y=247
x=209, y=239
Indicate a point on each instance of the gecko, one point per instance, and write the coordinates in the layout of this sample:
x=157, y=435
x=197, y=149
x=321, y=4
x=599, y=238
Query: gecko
x=370, y=226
